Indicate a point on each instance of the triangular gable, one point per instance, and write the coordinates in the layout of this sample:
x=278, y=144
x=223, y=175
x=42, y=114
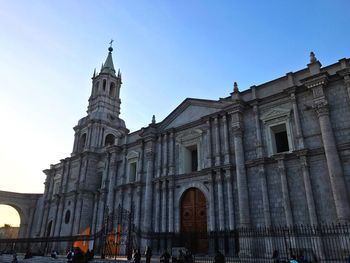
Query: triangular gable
x=275, y=113
x=190, y=110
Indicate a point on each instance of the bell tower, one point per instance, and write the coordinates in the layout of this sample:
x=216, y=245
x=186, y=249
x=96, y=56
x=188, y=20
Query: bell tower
x=106, y=89
x=102, y=126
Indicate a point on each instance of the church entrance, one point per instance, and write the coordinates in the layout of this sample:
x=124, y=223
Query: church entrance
x=194, y=220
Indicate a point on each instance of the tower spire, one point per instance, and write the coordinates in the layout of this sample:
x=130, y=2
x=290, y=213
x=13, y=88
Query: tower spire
x=108, y=66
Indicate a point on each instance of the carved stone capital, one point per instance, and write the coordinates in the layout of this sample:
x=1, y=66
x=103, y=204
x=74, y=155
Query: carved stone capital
x=321, y=107
x=237, y=131
x=149, y=154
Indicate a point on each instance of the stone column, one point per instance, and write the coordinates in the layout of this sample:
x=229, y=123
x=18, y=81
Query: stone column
x=58, y=220
x=230, y=204
x=258, y=144
x=317, y=83
x=265, y=195
x=148, y=190
x=73, y=213
x=140, y=165
x=333, y=162
x=76, y=223
x=261, y=166
x=209, y=145
x=94, y=214
x=242, y=186
x=308, y=187
x=137, y=205
x=226, y=141
x=299, y=133
x=157, y=208
x=159, y=156
x=220, y=201
x=212, y=203
x=75, y=144
x=165, y=154
x=164, y=206
x=171, y=186
x=45, y=217
x=101, y=210
x=111, y=174
x=285, y=190
x=345, y=73
x=171, y=153
x=347, y=83
x=217, y=141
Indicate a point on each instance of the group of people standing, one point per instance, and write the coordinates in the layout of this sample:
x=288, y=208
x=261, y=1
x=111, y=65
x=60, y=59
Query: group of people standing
x=136, y=255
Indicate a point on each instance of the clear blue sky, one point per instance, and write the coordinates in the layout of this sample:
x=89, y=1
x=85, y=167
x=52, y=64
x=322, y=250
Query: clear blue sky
x=166, y=50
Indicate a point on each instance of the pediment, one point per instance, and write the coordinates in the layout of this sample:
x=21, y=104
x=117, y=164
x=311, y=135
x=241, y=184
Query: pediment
x=275, y=113
x=132, y=155
x=189, y=111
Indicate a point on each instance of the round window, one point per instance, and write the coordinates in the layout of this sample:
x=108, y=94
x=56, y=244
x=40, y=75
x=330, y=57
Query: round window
x=67, y=217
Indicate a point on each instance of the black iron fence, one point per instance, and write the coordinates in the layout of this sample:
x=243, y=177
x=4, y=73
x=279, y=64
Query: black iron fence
x=322, y=243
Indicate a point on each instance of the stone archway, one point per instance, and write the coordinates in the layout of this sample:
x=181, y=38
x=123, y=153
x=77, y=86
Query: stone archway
x=25, y=205
x=194, y=220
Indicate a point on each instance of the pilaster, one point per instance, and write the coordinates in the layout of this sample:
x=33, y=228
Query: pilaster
x=308, y=187
x=165, y=154
x=285, y=191
x=230, y=200
x=171, y=185
x=148, y=189
x=220, y=195
x=157, y=207
x=242, y=185
x=217, y=141
x=226, y=141
x=164, y=206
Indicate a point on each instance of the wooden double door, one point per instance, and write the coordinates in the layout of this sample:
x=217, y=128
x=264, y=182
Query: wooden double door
x=194, y=220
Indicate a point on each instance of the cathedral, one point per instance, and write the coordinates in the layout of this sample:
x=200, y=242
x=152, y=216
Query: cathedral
x=273, y=154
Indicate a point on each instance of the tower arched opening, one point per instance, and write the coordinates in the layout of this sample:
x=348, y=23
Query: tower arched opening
x=112, y=89
x=109, y=140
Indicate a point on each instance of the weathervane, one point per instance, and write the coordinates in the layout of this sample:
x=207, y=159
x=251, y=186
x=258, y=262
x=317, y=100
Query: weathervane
x=110, y=49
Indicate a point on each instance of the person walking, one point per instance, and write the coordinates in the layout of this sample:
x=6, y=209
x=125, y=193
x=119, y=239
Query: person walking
x=148, y=254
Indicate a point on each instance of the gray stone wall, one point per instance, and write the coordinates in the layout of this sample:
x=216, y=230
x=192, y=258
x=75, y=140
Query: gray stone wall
x=245, y=184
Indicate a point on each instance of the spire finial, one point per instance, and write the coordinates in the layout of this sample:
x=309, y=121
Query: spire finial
x=110, y=49
x=153, y=119
x=313, y=58
x=235, y=87
x=94, y=75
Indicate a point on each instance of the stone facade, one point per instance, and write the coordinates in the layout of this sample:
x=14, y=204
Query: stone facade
x=274, y=154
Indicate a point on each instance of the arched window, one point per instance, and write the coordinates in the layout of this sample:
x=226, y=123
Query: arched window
x=110, y=138
x=104, y=85
x=67, y=217
x=82, y=142
x=48, y=229
x=112, y=90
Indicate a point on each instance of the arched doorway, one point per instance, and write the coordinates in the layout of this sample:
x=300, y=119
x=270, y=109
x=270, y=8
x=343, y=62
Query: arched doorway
x=9, y=222
x=194, y=220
